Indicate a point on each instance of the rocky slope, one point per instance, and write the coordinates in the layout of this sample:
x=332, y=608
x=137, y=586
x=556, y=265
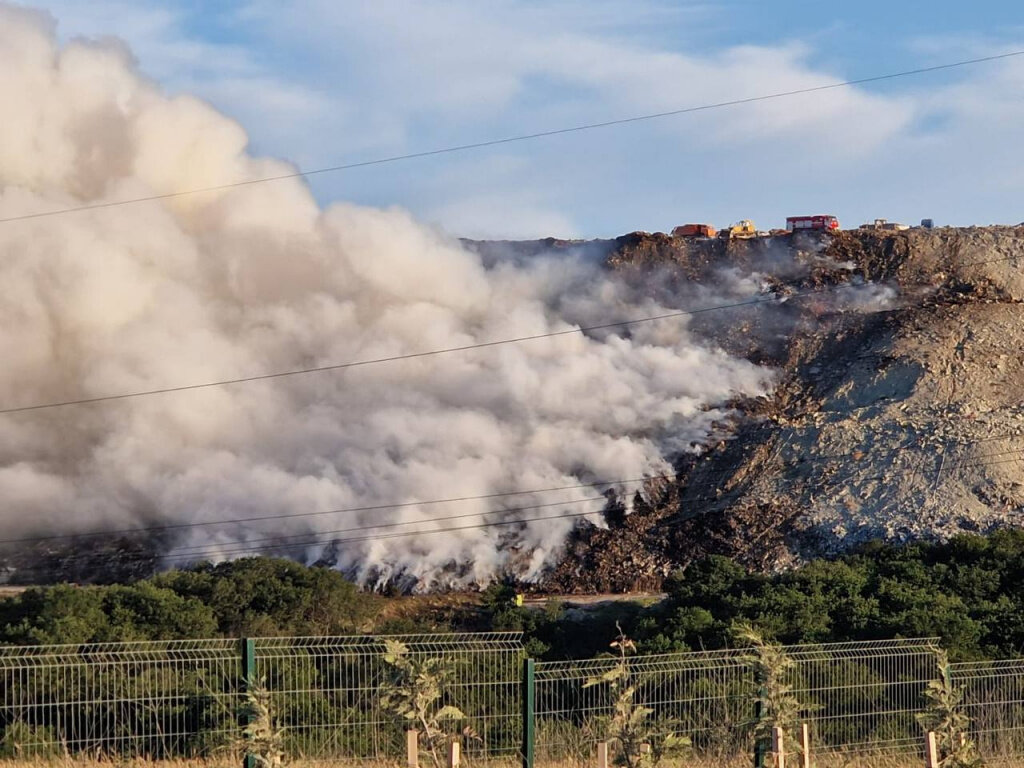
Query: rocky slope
x=902, y=421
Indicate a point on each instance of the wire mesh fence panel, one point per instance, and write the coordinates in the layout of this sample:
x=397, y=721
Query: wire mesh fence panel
x=341, y=698
x=706, y=697
x=330, y=694
x=152, y=699
x=993, y=699
x=863, y=696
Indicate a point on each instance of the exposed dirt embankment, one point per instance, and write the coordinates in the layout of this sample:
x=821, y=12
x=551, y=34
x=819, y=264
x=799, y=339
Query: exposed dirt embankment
x=904, y=420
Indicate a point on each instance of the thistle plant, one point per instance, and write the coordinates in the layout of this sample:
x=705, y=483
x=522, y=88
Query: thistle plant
x=945, y=717
x=642, y=742
x=414, y=693
x=261, y=738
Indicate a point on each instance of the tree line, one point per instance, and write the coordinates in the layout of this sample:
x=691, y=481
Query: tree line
x=965, y=591
x=251, y=597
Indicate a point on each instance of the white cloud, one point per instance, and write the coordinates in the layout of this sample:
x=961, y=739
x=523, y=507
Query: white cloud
x=157, y=32
x=417, y=76
x=233, y=75
x=447, y=61
x=325, y=83
x=963, y=156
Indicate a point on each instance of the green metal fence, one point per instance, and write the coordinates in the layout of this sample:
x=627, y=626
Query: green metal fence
x=856, y=697
x=154, y=699
x=993, y=698
x=326, y=692
x=863, y=697
x=185, y=698
x=707, y=697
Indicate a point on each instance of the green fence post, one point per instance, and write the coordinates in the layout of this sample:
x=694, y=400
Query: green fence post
x=760, y=746
x=528, y=692
x=248, y=648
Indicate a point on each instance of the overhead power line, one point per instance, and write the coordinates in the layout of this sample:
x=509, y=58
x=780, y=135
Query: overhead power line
x=409, y=356
x=242, y=548
x=321, y=513
x=773, y=299
x=394, y=535
x=314, y=537
x=311, y=538
x=515, y=139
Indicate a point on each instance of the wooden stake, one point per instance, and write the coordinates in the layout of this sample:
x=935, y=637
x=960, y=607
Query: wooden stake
x=805, y=744
x=931, y=751
x=454, y=755
x=778, y=747
x=602, y=754
x=412, y=749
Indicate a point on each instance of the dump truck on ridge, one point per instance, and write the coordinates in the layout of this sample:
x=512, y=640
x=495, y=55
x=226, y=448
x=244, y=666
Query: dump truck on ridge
x=694, y=230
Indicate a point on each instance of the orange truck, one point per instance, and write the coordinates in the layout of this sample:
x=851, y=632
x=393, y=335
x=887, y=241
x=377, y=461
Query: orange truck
x=694, y=230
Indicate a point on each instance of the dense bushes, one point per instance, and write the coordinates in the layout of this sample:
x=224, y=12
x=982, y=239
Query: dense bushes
x=259, y=597
x=251, y=597
x=967, y=592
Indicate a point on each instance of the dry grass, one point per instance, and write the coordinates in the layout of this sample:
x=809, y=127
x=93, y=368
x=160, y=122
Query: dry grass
x=46, y=762
x=693, y=761
x=8, y=591
x=738, y=761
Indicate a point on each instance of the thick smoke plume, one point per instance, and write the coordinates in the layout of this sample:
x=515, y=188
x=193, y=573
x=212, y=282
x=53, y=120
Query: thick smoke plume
x=258, y=279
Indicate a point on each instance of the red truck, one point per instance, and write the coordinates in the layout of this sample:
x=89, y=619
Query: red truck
x=821, y=222
x=694, y=230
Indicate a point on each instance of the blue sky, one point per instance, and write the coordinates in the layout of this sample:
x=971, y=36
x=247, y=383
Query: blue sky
x=328, y=82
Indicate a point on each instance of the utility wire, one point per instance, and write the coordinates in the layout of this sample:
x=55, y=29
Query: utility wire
x=244, y=549
x=410, y=356
x=514, y=139
x=773, y=299
x=241, y=547
x=399, y=534
x=606, y=483
x=339, y=511
x=314, y=538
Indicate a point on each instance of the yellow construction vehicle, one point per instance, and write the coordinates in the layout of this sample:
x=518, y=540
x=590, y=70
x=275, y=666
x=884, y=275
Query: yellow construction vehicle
x=741, y=229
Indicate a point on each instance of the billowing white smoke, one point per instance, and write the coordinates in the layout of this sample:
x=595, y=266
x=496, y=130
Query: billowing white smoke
x=259, y=279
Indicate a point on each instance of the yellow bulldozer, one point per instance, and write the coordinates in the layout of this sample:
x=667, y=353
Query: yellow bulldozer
x=741, y=229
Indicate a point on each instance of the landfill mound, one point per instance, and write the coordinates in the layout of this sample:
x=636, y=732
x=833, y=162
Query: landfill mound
x=897, y=410
x=903, y=422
